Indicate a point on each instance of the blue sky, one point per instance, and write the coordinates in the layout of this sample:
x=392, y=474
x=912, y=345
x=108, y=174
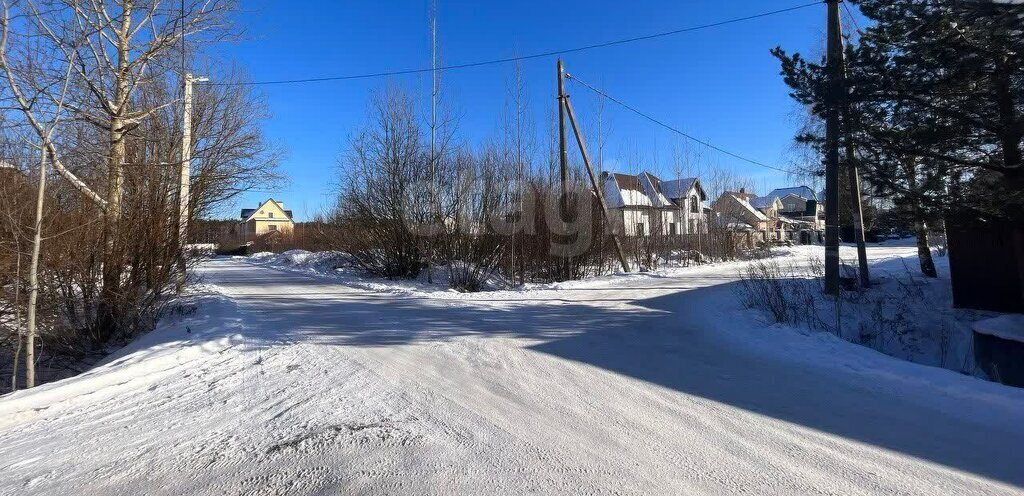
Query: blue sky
x=720, y=84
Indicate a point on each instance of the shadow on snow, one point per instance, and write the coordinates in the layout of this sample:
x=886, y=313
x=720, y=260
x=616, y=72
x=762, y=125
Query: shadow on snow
x=653, y=340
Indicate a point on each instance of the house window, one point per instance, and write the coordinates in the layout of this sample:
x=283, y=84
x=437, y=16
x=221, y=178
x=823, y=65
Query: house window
x=272, y=227
x=694, y=204
x=673, y=228
x=271, y=214
x=640, y=229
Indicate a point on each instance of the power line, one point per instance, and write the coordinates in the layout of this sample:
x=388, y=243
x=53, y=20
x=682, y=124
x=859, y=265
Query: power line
x=853, y=20
x=673, y=129
x=522, y=57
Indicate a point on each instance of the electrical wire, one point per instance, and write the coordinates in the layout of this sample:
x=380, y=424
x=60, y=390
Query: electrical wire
x=518, y=58
x=673, y=129
x=850, y=16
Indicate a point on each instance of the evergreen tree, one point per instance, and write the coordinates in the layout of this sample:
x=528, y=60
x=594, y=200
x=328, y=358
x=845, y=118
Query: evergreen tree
x=935, y=94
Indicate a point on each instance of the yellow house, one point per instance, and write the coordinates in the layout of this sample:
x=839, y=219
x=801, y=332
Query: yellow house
x=269, y=217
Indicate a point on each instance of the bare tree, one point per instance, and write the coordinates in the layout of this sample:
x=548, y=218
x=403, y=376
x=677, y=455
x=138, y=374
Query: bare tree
x=108, y=126
x=519, y=148
x=116, y=50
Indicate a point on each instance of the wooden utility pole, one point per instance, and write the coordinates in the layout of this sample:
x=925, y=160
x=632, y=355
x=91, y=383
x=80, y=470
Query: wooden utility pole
x=594, y=183
x=563, y=160
x=856, y=203
x=563, y=154
x=853, y=176
x=835, y=69
x=186, y=175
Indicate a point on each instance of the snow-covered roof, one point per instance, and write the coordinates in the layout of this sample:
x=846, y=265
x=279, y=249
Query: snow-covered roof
x=646, y=190
x=762, y=201
x=624, y=190
x=801, y=191
x=755, y=212
x=679, y=188
x=740, y=199
x=652, y=186
x=738, y=226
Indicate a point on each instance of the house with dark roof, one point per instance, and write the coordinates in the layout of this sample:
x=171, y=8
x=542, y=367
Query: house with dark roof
x=269, y=217
x=645, y=204
x=798, y=203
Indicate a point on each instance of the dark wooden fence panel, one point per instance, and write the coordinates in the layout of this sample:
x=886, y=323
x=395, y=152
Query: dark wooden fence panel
x=986, y=261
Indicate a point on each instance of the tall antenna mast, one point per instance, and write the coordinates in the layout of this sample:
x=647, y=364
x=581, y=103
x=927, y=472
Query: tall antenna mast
x=435, y=207
x=433, y=89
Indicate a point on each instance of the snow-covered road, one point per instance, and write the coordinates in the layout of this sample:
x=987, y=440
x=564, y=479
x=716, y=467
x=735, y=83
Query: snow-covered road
x=287, y=383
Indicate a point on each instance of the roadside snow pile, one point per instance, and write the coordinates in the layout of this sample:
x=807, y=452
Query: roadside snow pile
x=202, y=249
x=339, y=267
x=903, y=314
x=324, y=262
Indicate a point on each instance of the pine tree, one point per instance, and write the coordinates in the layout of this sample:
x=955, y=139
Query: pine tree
x=936, y=107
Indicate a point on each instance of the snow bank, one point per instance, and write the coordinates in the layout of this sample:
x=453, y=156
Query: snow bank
x=1009, y=327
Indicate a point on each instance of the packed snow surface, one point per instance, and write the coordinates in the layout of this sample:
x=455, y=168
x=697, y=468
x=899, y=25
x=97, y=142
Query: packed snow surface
x=290, y=381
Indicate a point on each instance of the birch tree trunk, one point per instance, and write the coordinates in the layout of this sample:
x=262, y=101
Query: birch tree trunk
x=112, y=266
x=33, y=277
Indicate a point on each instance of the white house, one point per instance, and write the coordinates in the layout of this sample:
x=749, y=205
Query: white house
x=646, y=205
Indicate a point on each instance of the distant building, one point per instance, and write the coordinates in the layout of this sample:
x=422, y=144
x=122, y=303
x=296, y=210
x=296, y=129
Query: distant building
x=799, y=203
x=645, y=204
x=734, y=211
x=785, y=214
x=269, y=217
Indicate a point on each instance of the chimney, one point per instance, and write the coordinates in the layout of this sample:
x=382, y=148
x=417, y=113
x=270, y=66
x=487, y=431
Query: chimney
x=743, y=190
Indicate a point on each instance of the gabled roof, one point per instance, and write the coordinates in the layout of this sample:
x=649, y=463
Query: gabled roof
x=624, y=190
x=762, y=201
x=750, y=208
x=678, y=188
x=801, y=191
x=652, y=186
x=740, y=199
x=647, y=190
x=247, y=213
x=626, y=181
